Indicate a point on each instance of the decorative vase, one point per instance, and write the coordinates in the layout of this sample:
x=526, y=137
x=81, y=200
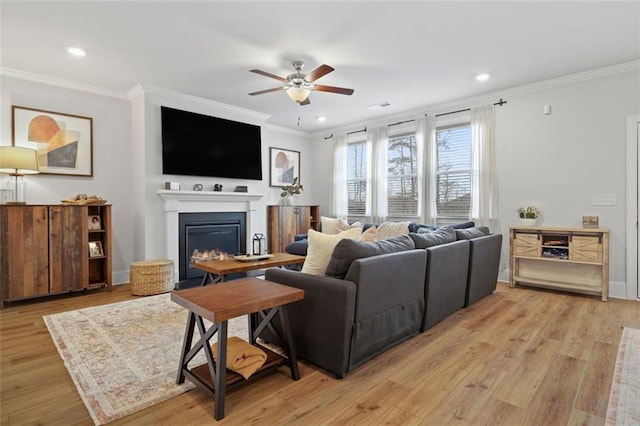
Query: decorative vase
x=528, y=222
x=287, y=201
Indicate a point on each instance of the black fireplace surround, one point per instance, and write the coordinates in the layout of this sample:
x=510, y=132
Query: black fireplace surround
x=222, y=231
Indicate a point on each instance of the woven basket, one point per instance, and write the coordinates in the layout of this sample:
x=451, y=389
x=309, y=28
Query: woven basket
x=149, y=277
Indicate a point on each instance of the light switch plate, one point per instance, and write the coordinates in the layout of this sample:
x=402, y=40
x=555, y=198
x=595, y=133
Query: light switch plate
x=604, y=200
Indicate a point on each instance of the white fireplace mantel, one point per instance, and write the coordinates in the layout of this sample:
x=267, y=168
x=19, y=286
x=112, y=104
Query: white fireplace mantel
x=176, y=202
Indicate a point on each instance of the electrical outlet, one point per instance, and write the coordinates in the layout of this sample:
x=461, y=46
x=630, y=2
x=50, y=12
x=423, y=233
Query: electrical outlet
x=604, y=200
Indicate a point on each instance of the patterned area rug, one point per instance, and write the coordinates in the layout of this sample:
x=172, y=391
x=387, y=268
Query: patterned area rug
x=624, y=400
x=124, y=357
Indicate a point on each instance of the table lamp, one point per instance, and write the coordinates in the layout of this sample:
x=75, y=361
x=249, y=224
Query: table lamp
x=17, y=161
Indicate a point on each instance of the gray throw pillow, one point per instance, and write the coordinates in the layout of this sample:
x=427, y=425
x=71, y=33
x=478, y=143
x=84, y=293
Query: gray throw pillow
x=443, y=235
x=347, y=250
x=471, y=233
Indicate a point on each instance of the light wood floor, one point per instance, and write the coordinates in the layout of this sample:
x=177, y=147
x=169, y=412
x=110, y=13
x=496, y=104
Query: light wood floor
x=517, y=357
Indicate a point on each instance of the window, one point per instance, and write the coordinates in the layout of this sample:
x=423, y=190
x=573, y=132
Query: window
x=357, y=169
x=453, y=175
x=402, y=178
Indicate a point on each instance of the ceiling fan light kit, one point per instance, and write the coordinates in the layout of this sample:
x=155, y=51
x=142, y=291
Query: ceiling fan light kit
x=299, y=86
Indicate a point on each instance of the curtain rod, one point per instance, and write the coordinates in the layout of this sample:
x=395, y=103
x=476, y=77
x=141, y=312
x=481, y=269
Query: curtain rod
x=350, y=133
x=499, y=103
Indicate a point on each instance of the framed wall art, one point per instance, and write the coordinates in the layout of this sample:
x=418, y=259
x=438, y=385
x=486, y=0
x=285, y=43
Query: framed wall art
x=64, y=142
x=284, y=166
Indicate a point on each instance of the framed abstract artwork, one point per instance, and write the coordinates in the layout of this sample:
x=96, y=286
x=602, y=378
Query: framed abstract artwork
x=63, y=142
x=284, y=166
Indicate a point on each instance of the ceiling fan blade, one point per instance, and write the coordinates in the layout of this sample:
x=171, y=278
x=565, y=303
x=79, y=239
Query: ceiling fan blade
x=333, y=89
x=268, y=74
x=275, y=89
x=305, y=102
x=321, y=71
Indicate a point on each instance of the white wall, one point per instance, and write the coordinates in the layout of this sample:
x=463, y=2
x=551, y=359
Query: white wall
x=111, y=155
x=557, y=161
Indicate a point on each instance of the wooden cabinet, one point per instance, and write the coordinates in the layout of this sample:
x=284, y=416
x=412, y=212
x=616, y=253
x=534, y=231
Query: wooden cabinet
x=571, y=259
x=44, y=249
x=285, y=222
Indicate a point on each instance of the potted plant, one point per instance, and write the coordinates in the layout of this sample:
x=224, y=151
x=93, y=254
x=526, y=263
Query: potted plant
x=528, y=215
x=288, y=191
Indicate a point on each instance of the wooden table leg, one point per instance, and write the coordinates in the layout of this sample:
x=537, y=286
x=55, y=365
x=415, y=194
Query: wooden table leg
x=220, y=379
x=288, y=336
x=186, y=345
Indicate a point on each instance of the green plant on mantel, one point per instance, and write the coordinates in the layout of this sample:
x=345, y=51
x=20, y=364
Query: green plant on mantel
x=529, y=212
x=294, y=189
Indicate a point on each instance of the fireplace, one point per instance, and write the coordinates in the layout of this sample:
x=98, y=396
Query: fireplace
x=224, y=232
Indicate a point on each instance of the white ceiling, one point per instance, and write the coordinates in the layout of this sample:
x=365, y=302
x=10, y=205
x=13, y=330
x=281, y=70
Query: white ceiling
x=411, y=54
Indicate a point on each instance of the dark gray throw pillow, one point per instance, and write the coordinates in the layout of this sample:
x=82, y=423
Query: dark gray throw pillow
x=471, y=233
x=443, y=235
x=348, y=250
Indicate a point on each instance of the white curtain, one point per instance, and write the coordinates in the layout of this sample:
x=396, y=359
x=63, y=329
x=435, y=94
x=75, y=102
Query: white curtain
x=377, y=139
x=427, y=166
x=339, y=198
x=484, y=182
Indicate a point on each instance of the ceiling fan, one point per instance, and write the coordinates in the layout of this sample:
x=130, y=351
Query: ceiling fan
x=298, y=85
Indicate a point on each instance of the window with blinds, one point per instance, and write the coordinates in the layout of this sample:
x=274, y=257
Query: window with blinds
x=453, y=176
x=357, y=171
x=402, y=178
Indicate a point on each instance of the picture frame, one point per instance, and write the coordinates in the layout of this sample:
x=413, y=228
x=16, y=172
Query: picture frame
x=284, y=166
x=590, y=222
x=63, y=142
x=95, y=249
x=95, y=224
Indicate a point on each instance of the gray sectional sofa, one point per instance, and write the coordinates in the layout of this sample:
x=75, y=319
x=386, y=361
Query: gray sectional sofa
x=376, y=295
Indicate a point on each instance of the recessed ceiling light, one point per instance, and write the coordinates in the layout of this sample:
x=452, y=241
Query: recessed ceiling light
x=380, y=105
x=321, y=118
x=76, y=51
x=483, y=77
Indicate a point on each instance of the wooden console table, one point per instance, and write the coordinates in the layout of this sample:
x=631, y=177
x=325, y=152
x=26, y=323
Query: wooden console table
x=215, y=270
x=570, y=259
x=264, y=300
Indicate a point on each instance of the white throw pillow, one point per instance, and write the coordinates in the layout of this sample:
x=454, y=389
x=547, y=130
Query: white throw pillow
x=328, y=224
x=388, y=230
x=343, y=225
x=321, y=247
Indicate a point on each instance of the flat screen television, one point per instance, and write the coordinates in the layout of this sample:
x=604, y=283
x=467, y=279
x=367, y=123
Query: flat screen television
x=201, y=145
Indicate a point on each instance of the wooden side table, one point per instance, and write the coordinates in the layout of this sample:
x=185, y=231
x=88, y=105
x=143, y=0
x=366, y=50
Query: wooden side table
x=264, y=299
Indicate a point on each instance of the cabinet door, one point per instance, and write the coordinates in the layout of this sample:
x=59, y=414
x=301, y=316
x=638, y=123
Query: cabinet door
x=289, y=225
x=68, y=248
x=25, y=242
x=527, y=245
x=585, y=249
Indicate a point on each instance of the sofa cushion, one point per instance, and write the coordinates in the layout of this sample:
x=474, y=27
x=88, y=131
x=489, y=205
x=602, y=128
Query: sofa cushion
x=346, y=251
x=392, y=229
x=463, y=225
x=298, y=247
x=320, y=248
x=443, y=235
x=421, y=227
x=471, y=233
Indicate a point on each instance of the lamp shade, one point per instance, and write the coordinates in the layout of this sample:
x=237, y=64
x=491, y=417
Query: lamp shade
x=298, y=94
x=17, y=160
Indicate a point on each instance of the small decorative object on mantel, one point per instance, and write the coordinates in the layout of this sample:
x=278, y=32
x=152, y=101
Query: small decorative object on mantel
x=240, y=188
x=82, y=199
x=288, y=191
x=198, y=187
x=528, y=215
x=217, y=187
x=590, y=222
x=172, y=186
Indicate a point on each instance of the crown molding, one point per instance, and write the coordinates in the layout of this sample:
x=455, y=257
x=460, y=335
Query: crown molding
x=67, y=84
x=486, y=97
x=140, y=89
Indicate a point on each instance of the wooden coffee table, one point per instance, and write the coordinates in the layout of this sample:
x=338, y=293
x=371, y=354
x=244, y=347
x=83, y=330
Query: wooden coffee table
x=264, y=300
x=215, y=270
